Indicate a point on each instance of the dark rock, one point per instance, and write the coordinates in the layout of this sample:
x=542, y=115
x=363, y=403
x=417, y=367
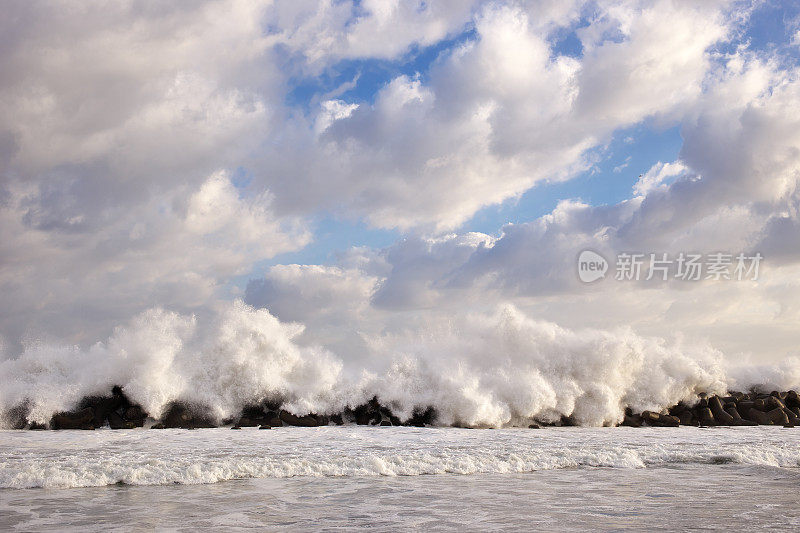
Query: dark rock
x=737, y=418
x=236, y=427
x=81, y=419
x=177, y=415
x=721, y=417
x=778, y=417
x=271, y=404
x=744, y=405
x=421, y=418
x=264, y=427
x=365, y=417
x=762, y=404
x=775, y=402
x=793, y=418
x=289, y=419
x=676, y=410
x=386, y=423
x=136, y=422
x=181, y=415
x=757, y=416
x=705, y=417
x=245, y=422
x=337, y=419
x=652, y=418
x=294, y=420
x=136, y=415
x=115, y=421
x=253, y=411
x=134, y=412
x=252, y=415
x=534, y=426
x=734, y=413
x=101, y=406
x=670, y=421
x=567, y=421
x=273, y=419
x=687, y=418
x=631, y=420
x=370, y=413
x=387, y=414
x=792, y=399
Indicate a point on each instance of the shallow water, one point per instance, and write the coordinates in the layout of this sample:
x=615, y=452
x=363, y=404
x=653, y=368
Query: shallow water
x=399, y=478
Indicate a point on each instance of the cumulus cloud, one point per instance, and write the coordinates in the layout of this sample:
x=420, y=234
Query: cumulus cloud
x=733, y=189
x=178, y=248
x=500, y=112
x=657, y=175
x=151, y=154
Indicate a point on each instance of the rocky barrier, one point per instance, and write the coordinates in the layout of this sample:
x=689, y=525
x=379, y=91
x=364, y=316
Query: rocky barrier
x=736, y=409
x=118, y=412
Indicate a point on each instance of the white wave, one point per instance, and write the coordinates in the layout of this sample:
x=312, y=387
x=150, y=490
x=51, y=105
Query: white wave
x=495, y=369
x=144, y=457
x=476, y=369
x=243, y=355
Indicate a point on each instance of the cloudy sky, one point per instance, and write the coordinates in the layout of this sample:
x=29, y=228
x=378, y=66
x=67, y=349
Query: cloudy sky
x=361, y=167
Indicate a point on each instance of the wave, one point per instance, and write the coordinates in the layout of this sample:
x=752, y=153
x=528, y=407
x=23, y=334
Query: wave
x=476, y=370
x=175, y=456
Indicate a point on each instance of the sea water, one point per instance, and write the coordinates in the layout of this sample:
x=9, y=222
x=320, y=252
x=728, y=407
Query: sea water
x=391, y=478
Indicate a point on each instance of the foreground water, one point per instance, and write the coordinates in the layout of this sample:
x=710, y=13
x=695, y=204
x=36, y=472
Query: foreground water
x=350, y=477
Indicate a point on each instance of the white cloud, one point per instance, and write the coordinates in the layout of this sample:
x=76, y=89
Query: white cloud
x=656, y=176
x=76, y=282
x=497, y=114
x=149, y=154
x=734, y=189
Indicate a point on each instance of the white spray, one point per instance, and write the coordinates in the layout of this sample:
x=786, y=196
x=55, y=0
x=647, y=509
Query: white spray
x=475, y=369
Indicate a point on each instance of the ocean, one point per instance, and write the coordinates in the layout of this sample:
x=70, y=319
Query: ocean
x=390, y=479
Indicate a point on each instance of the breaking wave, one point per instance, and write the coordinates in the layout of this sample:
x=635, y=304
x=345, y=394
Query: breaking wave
x=492, y=370
x=143, y=457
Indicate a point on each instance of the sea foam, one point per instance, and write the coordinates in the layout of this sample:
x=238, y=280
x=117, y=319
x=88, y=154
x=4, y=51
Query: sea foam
x=142, y=457
x=476, y=369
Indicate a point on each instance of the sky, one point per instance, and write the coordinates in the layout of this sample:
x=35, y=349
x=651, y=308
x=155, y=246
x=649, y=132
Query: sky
x=367, y=169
